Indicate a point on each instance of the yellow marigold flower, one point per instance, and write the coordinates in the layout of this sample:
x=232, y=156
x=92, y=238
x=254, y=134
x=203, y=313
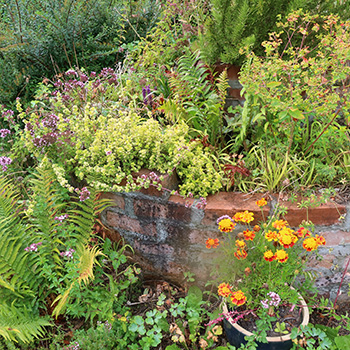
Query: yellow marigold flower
x=247, y=217
x=226, y=224
x=224, y=290
x=271, y=236
x=310, y=244
x=238, y=298
x=279, y=224
x=269, y=256
x=240, y=254
x=249, y=235
x=261, y=202
x=212, y=243
x=240, y=244
x=281, y=256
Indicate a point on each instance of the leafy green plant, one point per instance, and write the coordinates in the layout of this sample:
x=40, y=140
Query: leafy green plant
x=195, y=100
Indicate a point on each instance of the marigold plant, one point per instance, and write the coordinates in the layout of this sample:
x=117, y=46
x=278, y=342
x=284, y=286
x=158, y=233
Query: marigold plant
x=261, y=262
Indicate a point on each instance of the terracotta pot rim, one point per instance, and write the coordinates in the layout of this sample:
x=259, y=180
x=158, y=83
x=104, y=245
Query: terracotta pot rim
x=305, y=321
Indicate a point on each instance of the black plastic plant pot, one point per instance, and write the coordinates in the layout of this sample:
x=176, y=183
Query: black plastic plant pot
x=235, y=333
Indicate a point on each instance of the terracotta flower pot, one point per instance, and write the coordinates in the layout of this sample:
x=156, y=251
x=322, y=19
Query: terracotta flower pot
x=235, y=333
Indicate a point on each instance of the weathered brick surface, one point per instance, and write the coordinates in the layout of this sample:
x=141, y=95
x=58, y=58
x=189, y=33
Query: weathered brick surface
x=170, y=210
x=123, y=222
x=336, y=237
x=169, y=236
x=158, y=250
x=116, y=198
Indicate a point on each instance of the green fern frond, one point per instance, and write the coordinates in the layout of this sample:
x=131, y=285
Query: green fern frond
x=17, y=267
x=20, y=325
x=86, y=265
x=86, y=274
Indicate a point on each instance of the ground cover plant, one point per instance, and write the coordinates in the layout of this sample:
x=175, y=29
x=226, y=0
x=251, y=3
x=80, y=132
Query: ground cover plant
x=126, y=89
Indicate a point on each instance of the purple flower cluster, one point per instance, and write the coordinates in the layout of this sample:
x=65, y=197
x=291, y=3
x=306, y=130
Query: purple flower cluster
x=4, y=133
x=84, y=194
x=110, y=74
x=68, y=253
x=107, y=325
x=274, y=300
x=61, y=217
x=74, y=346
x=33, y=247
x=147, y=96
x=4, y=162
x=202, y=203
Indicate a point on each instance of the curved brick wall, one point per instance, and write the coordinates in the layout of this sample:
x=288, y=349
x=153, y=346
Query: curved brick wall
x=168, y=234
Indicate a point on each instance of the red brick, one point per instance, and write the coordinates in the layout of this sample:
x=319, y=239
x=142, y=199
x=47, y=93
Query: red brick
x=325, y=214
x=327, y=262
x=117, y=199
x=236, y=94
x=334, y=238
x=229, y=203
x=123, y=222
x=170, y=210
x=232, y=70
x=154, y=249
x=150, y=208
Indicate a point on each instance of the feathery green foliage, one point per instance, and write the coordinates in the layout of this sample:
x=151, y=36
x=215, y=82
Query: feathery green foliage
x=196, y=99
x=39, y=255
x=20, y=324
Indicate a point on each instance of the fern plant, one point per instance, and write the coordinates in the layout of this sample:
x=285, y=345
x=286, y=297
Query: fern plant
x=41, y=251
x=195, y=99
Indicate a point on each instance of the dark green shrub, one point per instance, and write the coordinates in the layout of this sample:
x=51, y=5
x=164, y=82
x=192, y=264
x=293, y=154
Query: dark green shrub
x=235, y=24
x=42, y=38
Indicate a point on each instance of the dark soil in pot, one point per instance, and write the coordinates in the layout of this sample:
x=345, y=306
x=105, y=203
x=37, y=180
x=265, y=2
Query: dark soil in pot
x=283, y=315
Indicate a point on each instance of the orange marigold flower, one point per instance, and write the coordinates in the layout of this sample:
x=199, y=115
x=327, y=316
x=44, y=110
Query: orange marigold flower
x=212, y=243
x=281, y=256
x=271, y=236
x=224, y=290
x=226, y=223
x=240, y=244
x=238, y=298
x=321, y=240
x=238, y=217
x=286, y=238
x=303, y=232
x=240, y=254
x=256, y=228
x=249, y=235
x=269, y=256
x=247, y=217
x=310, y=244
x=261, y=202
x=278, y=224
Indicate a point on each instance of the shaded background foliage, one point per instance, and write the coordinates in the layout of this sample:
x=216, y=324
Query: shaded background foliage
x=42, y=38
x=235, y=24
